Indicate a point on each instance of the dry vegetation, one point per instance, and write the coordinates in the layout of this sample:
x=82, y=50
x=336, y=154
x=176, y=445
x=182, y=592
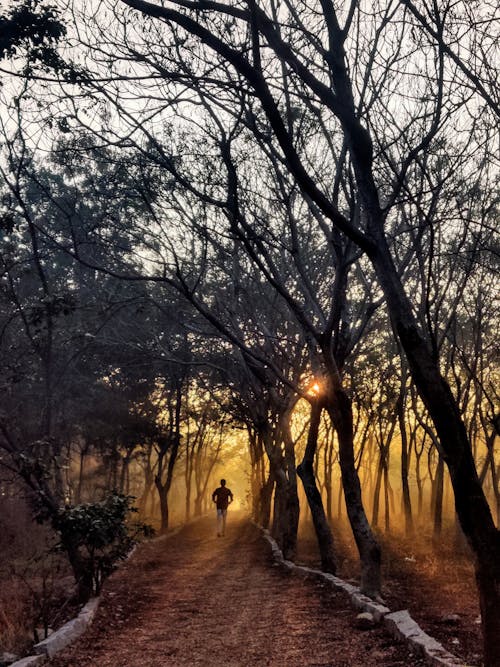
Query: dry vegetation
x=434, y=582
x=37, y=590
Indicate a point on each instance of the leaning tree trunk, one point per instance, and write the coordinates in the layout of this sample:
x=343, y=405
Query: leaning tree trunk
x=340, y=410
x=306, y=473
x=470, y=502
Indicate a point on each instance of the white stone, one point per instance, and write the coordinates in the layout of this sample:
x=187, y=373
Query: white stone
x=365, y=603
x=402, y=626
x=399, y=623
x=365, y=621
x=89, y=610
x=60, y=639
x=30, y=661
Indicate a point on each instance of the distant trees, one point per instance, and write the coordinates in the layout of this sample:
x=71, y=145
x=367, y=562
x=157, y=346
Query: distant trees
x=83, y=356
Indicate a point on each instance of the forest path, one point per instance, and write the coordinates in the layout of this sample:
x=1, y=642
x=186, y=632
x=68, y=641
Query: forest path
x=196, y=599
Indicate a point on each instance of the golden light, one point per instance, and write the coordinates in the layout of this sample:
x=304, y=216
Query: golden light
x=314, y=389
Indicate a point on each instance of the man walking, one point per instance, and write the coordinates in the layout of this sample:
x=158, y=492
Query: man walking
x=222, y=496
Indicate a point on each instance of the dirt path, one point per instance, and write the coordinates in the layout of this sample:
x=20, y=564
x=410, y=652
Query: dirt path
x=196, y=599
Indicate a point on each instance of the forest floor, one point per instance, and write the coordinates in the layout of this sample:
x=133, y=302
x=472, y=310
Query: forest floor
x=434, y=582
x=196, y=599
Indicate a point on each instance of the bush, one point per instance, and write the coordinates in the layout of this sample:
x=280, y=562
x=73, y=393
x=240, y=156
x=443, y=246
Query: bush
x=96, y=536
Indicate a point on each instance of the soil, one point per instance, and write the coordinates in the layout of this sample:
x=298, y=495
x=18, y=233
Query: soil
x=196, y=599
x=435, y=583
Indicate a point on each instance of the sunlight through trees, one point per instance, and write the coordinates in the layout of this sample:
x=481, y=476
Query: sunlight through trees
x=256, y=237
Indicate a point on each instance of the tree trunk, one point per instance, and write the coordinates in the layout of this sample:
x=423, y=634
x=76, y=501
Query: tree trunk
x=292, y=506
x=187, y=508
x=470, y=502
x=279, y=448
x=81, y=570
x=306, y=473
x=123, y=474
x=79, y=488
x=340, y=410
x=285, y=515
x=386, y=498
x=339, y=499
x=328, y=479
x=187, y=505
x=264, y=502
x=163, y=498
x=438, y=501
x=198, y=503
x=404, y=466
x=488, y=579
x=329, y=499
x=376, y=493
x=143, y=500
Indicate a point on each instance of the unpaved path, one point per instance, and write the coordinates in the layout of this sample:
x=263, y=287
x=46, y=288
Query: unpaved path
x=196, y=599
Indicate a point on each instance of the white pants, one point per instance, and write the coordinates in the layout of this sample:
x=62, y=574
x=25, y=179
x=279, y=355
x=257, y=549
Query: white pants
x=221, y=521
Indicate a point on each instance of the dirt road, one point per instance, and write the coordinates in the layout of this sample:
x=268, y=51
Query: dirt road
x=196, y=599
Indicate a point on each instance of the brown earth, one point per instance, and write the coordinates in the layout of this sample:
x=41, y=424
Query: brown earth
x=434, y=582
x=196, y=599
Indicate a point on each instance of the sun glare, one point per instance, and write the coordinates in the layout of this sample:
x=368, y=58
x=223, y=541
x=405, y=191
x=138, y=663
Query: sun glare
x=314, y=389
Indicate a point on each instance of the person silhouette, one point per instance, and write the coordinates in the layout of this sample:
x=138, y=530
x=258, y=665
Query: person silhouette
x=222, y=497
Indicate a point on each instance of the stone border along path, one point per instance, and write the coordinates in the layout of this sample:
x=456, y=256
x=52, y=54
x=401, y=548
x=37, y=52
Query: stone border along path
x=71, y=630
x=399, y=623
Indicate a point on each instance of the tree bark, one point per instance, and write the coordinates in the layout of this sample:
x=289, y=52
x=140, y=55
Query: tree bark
x=285, y=516
x=404, y=465
x=264, y=502
x=470, y=502
x=438, y=500
x=376, y=493
x=339, y=408
x=163, y=498
x=306, y=473
x=279, y=449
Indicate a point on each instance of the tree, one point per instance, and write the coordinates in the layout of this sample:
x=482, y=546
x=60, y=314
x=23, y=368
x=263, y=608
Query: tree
x=257, y=75
x=324, y=81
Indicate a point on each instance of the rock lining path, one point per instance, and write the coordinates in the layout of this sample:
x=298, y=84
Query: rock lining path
x=198, y=600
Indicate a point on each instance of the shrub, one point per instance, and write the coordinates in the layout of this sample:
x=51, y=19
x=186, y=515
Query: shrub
x=96, y=536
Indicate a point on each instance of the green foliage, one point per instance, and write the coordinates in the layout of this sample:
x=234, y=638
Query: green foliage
x=102, y=533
